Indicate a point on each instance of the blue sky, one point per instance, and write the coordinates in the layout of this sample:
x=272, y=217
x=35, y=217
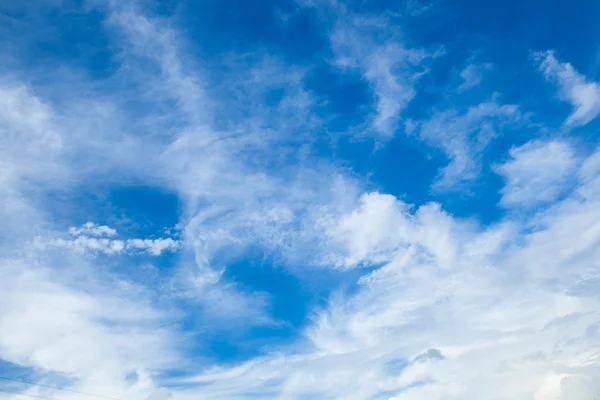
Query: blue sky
x=300, y=199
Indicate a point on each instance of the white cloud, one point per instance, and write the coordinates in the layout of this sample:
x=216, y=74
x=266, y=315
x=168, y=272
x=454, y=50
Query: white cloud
x=177, y=142
x=471, y=76
x=94, y=333
x=154, y=247
x=86, y=242
x=583, y=95
x=536, y=173
x=372, y=45
x=506, y=312
x=371, y=233
x=29, y=147
x=513, y=313
x=462, y=137
x=160, y=394
x=59, y=315
x=89, y=228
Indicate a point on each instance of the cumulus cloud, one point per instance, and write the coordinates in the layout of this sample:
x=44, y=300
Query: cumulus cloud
x=583, y=95
x=86, y=243
x=537, y=172
x=91, y=229
x=154, y=247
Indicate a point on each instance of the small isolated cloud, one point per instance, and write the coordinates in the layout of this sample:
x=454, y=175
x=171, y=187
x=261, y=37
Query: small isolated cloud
x=472, y=75
x=583, y=95
x=91, y=229
x=536, y=173
x=383, y=226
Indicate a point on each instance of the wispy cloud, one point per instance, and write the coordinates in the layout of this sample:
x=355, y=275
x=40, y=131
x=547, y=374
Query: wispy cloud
x=463, y=136
x=374, y=46
x=472, y=75
x=462, y=294
x=82, y=329
x=537, y=173
x=583, y=95
x=437, y=306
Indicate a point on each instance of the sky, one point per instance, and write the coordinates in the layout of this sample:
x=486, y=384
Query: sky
x=300, y=199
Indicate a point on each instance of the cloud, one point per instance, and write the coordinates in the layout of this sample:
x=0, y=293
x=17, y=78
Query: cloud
x=29, y=147
x=79, y=327
x=439, y=307
x=462, y=136
x=537, y=173
x=471, y=76
x=498, y=311
x=371, y=233
x=89, y=228
x=583, y=95
x=430, y=355
x=373, y=46
x=55, y=147
x=154, y=247
x=160, y=394
x=229, y=170
x=85, y=241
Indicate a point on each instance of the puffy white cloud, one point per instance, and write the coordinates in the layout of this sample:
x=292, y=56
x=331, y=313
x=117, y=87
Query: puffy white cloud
x=154, y=247
x=85, y=243
x=91, y=229
x=583, y=95
x=371, y=233
x=537, y=172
